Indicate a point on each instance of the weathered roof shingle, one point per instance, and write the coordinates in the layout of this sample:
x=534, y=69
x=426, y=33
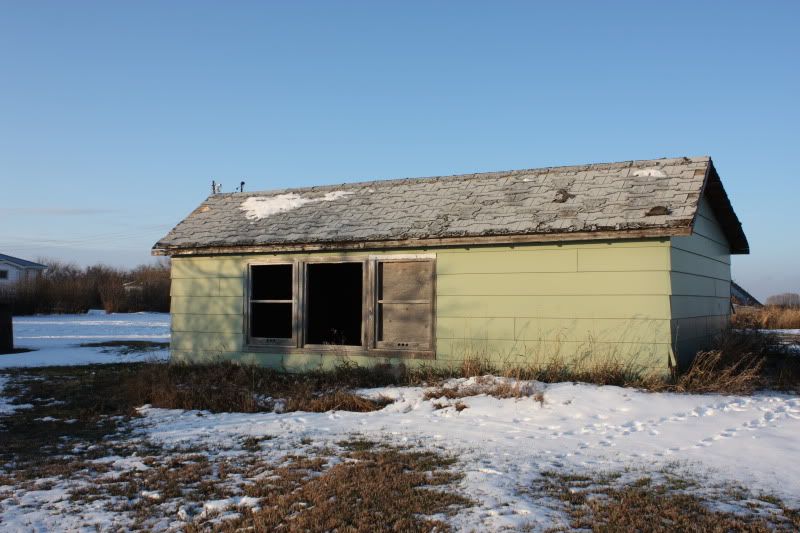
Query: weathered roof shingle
x=609, y=200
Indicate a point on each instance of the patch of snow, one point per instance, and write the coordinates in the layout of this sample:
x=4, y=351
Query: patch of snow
x=504, y=444
x=6, y=407
x=56, y=339
x=219, y=506
x=258, y=207
x=649, y=172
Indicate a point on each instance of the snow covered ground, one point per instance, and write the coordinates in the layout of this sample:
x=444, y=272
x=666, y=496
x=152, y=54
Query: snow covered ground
x=56, y=339
x=503, y=444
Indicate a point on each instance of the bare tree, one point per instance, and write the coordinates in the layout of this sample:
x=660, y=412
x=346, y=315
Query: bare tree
x=786, y=299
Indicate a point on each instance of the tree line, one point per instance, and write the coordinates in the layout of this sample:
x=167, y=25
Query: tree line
x=69, y=288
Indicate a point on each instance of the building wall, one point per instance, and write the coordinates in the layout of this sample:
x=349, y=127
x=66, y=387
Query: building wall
x=510, y=304
x=701, y=285
x=14, y=274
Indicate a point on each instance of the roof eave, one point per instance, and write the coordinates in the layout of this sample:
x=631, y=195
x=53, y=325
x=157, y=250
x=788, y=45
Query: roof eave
x=724, y=213
x=440, y=242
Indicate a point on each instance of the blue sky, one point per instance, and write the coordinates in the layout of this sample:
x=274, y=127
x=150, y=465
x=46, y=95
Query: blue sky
x=114, y=117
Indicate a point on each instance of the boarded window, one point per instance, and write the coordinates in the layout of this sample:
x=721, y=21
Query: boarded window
x=404, y=314
x=271, y=302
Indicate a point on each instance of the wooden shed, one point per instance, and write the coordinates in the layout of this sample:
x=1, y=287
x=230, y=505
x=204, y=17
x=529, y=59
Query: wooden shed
x=626, y=260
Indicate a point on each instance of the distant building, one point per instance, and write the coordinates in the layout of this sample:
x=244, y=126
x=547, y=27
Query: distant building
x=740, y=297
x=14, y=269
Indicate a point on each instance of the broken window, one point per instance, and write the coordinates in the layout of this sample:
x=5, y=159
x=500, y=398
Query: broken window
x=312, y=304
x=334, y=303
x=404, y=311
x=271, y=301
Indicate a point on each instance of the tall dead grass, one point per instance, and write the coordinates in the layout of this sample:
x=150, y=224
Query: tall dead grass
x=231, y=387
x=739, y=363
x=769, y=317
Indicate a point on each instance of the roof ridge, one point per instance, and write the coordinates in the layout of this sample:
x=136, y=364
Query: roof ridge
x=465, y=176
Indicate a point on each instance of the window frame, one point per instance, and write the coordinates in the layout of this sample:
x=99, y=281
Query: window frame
x=249, y=301
x=365, y=291
x=392, y=345
x=370, y=346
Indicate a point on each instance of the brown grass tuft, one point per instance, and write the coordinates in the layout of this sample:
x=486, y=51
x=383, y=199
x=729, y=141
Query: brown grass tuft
x=717, y=372
x=593, y=504
x=374, y=491
x=230, y=387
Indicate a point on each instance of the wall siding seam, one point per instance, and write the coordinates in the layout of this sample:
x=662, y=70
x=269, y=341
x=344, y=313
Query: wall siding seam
x=562, y=295
x=554, y=340
x=584, y=273
x=699, y=275
x=703, y=256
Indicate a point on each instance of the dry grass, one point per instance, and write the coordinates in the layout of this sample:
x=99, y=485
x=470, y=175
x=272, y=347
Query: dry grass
x=368, y=487
x=594, y=503
x=484, y=385
x=716, y=372
x=769, y=317
x=229, y=387
x=739, y=363
x=372, y=491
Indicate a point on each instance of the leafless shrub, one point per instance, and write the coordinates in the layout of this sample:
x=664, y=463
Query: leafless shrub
x=68, y=288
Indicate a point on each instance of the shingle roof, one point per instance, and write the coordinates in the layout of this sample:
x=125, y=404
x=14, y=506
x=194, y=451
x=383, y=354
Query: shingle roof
x=609, y=200
x=23, y=263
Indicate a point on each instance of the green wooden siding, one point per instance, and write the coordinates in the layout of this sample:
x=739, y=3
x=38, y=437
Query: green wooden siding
x=701, y=285
x=515, y=304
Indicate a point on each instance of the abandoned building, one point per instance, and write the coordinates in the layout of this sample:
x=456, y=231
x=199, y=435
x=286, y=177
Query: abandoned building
x=626, y=260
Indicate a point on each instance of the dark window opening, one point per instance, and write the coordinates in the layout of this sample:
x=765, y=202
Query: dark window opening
x=334, y=293
x=271, y=282
x=271, y=292
x=3, y=274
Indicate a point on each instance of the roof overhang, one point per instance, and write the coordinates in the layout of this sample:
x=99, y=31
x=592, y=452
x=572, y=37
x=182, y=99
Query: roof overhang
x=723, y=211
x=483, y=241
x=23, y=267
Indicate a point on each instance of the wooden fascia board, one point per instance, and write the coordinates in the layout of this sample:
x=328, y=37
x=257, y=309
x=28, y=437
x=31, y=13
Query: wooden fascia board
x=720, y=203
x=490, y=240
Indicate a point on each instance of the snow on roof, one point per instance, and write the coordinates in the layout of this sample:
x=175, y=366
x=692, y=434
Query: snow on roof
x=256, y=207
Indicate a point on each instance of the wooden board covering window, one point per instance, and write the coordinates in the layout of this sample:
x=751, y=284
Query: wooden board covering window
x=404, y=311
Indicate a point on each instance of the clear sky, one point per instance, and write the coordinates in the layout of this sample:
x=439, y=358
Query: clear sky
x=114, y=117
